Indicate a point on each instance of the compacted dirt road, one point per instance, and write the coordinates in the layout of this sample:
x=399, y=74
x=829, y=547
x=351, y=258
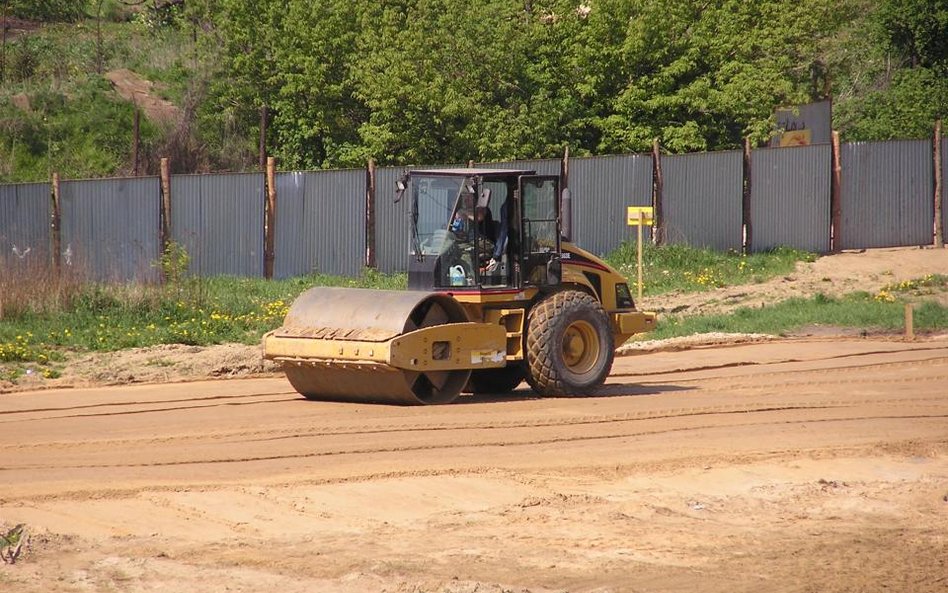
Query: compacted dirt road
x=806, y=465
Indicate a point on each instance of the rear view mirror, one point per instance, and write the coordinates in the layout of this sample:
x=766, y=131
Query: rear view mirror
x=400, y=186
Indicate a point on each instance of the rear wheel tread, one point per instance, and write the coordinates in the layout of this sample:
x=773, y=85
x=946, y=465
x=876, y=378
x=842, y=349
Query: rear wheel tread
x=547, y=322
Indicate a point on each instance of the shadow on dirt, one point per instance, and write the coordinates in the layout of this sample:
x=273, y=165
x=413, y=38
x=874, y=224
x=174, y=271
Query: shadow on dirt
x=608, y=390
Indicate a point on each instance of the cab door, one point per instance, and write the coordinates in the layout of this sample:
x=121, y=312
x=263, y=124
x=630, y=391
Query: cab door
x=540, y=216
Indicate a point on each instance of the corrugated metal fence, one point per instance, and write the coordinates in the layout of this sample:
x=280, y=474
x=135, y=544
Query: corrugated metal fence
x=702, y=199
x=24, y=224
x=944, y=187
x=219, y=220
x=320, y=223
x=601, y=188
x=790, y=198
x=110, y=227
x=887, y=195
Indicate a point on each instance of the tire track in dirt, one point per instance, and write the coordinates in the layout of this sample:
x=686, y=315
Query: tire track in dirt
x=737, y=411
x=578, y=421
x=142, y=403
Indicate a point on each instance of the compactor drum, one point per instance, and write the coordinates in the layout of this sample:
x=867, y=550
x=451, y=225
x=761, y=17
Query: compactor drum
x=497, y=295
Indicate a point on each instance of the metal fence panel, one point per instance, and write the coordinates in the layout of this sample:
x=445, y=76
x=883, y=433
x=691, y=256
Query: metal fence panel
x=702, y=199
x=219, y=220
x=320, y=223
x=886, y=194
x=110, y=228
x=790, y=198
x=392, y=234
x=601, y=188
x=24, y=224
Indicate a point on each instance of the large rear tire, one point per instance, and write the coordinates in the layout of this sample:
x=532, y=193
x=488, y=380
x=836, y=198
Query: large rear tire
x=570, y=347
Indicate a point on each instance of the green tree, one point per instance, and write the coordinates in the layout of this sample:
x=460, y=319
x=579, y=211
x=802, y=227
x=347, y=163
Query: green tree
x=48, y=10
x=699, y=75
x=916, y=30
x=893, y=65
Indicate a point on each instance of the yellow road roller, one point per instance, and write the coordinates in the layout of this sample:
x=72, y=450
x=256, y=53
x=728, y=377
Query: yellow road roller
x=497, y=294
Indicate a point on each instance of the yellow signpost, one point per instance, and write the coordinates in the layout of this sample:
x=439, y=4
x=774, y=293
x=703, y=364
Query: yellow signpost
x=639, y=216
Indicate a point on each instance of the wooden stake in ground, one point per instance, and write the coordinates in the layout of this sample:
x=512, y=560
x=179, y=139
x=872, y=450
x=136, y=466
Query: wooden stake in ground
x=909, y=322
x=939, y=231
x=270, y=220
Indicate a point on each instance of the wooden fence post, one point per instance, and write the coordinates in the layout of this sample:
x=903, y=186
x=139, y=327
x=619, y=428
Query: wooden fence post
x=164, y=220
x=939, y=230
x=658, y=185
x=370, y=259
x=264, y=114
x=55, y=226
x=136, y=139
x=836, y=198
x=746, y=202
x=269, y=220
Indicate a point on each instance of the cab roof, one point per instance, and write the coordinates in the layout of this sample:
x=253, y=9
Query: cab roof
x=465, y=172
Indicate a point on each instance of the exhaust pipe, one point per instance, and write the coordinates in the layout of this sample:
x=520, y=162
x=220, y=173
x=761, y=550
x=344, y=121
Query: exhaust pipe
x=566, y=215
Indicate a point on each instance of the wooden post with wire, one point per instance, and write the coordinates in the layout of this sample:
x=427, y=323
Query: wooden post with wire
x=55, y=228
x=370, y=255
x=269, y=222
x=939, y=174
x=165, y=222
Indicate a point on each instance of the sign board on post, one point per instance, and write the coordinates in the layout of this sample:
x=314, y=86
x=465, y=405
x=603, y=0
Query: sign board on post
x=633, y=218
x=803, y=125
x=640, y=216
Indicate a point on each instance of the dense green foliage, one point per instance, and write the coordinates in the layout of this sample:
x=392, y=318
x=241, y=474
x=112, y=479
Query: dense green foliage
x=45, y=10
x=439, y=81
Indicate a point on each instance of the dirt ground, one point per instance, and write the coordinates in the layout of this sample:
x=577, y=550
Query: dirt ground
x=132, y=87
x=795, y=465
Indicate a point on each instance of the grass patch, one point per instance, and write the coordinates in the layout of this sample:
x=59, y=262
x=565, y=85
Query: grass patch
x=678, y=268
x=859, y=310
x=46, y=320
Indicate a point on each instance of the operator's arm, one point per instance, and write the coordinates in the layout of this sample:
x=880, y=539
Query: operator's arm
x=501, y=245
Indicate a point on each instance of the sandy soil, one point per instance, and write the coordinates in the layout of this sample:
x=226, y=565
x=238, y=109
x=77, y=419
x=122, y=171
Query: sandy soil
x=132, y=87
x=811, y=464
x=805, y=465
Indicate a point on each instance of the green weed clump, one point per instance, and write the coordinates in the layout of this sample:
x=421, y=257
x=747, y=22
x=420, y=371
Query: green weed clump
x=42, y=324
x=679, y=268
x=860, y=310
